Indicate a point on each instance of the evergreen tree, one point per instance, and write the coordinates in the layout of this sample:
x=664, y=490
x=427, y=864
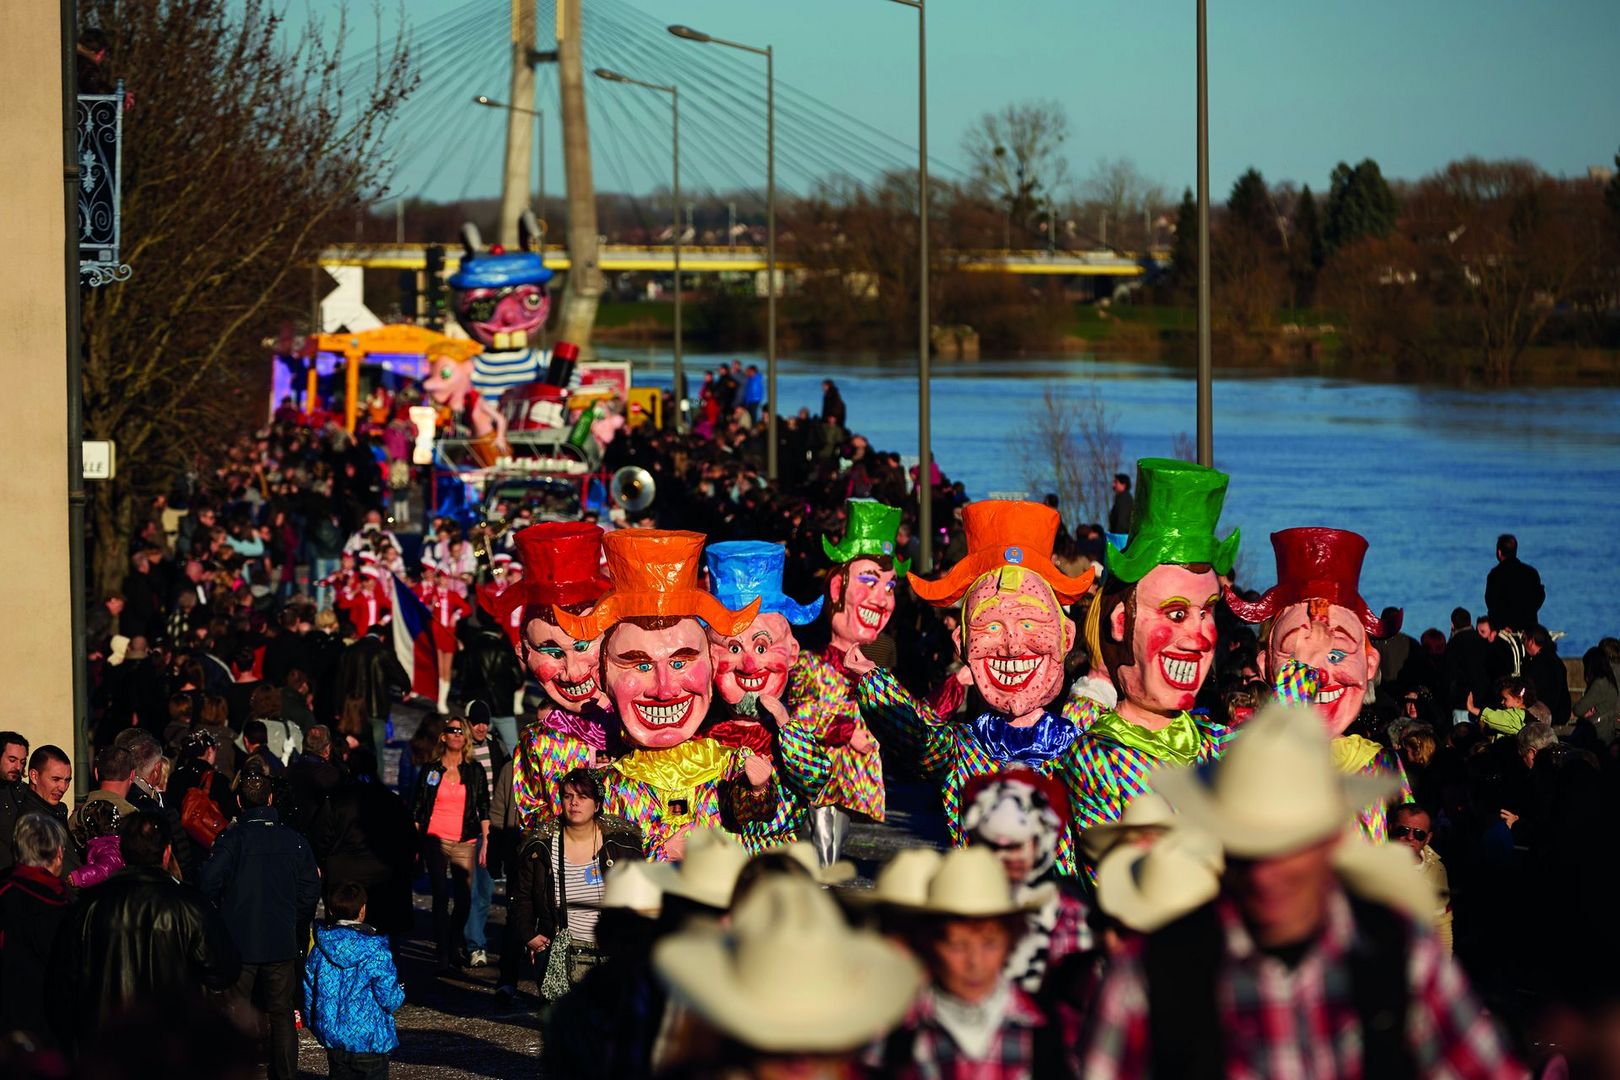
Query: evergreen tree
x=1249, y=207
x=1308, y=230
x=1611, y=192
x=1184, y=252
x=1359, y=204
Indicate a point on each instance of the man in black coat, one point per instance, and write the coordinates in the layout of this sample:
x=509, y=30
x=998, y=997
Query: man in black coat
x=1545, y=670
x=139, y=938
x=13, y=759
x=1513, y=590
x=49, y=774
x=262, y=876
x=370, y=671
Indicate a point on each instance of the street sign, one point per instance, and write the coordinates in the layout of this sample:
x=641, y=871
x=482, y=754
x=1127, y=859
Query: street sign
x=100, y=461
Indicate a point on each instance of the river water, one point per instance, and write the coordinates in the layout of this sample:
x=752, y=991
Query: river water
x=1430, y=474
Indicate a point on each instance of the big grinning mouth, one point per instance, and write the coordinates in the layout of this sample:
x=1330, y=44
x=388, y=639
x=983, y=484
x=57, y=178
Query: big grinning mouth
x=1011, y=672
x=869, y=616
x=510, y=339
x=663, y=713
x=753, y=684
x=577, y=691
x=1180, y=670
x=1327, y=696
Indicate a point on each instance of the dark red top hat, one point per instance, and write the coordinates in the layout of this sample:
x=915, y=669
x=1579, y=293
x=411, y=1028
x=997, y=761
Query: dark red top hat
x=1316, y=564
x=562, y=562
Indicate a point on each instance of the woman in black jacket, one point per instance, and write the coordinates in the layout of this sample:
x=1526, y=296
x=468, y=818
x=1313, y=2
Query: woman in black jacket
x=451, y=811
x=582, y=844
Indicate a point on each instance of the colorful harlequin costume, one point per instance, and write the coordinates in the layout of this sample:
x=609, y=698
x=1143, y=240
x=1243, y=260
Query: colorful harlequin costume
x=562, y=566
x=821, y=693
x=1173, y=523
x=741, y=572
x=1008, y=568
x=671, y=780
x=1318, y=574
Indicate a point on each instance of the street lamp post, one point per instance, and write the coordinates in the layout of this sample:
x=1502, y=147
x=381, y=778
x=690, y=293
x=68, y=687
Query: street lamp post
x=925, y=456
x=675, y=205
x=1206, y=362
x=769, y=54
x=540, y=135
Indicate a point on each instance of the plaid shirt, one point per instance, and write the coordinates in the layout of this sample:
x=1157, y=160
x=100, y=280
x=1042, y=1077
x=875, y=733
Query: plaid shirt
x=935, y=1055
x=1293, y=1024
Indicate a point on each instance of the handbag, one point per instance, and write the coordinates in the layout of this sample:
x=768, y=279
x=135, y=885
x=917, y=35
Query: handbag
x=567, y=961
x=200, y=815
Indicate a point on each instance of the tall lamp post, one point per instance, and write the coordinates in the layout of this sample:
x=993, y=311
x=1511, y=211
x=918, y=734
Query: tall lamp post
x=925, y=456
x=1206, y=362
x=767, y=52
x=675, y=205
x=540, y=121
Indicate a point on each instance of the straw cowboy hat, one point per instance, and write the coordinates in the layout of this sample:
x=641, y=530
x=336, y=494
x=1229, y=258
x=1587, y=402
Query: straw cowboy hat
x=970, y=884
x=708, y=873
x=1146, y=811
x=801, y=852
x=654, y=573
x=1386, y=874
x=1003, y=532
x=1148, y=887
x=903, y=881
x=631, y=886
x=791, y=976
x=1276, y=791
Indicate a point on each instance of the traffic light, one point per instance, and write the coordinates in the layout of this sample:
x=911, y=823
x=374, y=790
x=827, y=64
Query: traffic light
x=438, y=300
x=407, y=295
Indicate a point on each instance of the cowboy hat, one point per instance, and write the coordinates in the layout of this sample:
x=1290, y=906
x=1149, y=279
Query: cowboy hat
x=903, y=881
x=971, y=884
x=1385, y=874
x=1146, y=811
x=654, y=573
x=708, y=873
x=1276, y=791
x=1147, y=887
x=631, y=886
x=802, y=853
x=1004, y=532
x=791, y=976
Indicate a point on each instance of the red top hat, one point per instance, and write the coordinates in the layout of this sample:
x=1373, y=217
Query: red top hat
x=654, y=573
x=1002, y=532
x=562, y=562
x=1316, y=564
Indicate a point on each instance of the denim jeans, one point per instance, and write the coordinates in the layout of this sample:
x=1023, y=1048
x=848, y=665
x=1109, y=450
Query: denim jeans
x=346, y=1065
x=318, y=569
x=483, y=891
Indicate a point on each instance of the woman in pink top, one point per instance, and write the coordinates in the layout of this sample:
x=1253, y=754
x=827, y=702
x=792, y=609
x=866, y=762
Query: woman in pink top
x=451, y=810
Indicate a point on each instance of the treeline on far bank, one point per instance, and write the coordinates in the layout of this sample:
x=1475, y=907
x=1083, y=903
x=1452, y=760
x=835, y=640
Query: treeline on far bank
x=1493, y=267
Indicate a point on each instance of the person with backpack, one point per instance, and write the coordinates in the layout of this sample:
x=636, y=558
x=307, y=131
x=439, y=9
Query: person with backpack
x=1311, y=960
x=197, y=789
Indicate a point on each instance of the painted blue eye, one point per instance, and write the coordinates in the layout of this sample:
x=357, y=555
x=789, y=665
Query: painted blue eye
x=643, y=667
x=677, y=664
x=582, y=646
x=550, y=650
x=1336, y=656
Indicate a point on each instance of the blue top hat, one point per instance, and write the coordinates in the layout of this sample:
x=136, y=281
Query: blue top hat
x=741, y=570
x=491, y=271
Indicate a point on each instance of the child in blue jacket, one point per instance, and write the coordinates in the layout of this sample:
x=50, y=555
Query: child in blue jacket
x=351, y=990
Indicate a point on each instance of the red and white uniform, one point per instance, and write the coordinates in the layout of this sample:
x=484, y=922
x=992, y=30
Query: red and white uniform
x=448, y=609
x=366, y=606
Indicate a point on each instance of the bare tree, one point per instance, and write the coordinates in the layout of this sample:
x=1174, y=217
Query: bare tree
x=1073, y=448
x=251, y=148
x=1117, y=203
x=1016, y=156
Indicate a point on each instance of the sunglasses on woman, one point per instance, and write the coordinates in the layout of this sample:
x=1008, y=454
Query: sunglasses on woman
x=453, y=731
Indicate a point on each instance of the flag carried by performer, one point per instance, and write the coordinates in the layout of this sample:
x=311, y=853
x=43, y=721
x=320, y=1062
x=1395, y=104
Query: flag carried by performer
x=413, y=639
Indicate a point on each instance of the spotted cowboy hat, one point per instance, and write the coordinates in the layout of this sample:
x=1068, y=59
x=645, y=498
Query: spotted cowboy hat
x=869, y=532
x=1001, y=533
x=654, y=574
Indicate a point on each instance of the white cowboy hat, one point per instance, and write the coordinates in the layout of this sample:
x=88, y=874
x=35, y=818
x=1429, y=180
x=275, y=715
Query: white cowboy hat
x=790, y=976
x=903, y=881
x=1148, y=887
x=630, y=886
x=1146, y=811
x=801, y=852
x=1276, y=790
x=117, y=648
x=1385, y=874
x=971, y=884
x=708, y=873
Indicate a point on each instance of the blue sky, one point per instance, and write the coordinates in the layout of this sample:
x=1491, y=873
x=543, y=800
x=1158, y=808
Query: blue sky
x=1294, y=87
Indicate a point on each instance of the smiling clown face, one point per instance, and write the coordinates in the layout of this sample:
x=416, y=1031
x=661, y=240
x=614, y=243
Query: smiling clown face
x=1172, y=637
x=756, y=661
x=660, y=681
x=1017, y=636
x=862, y=598
x=1330, y=639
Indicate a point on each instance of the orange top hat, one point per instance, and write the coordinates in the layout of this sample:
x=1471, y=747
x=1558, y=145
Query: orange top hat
x=654, y=573
x=1001, y=532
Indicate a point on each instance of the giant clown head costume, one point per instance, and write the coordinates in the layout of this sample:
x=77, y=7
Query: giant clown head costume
x=1014, y=628
x=1153, y=625
x=562, y=571
x=860, y=589
x=656, y=660
x=755, y=663
x=1315, y=616
x=499, y=296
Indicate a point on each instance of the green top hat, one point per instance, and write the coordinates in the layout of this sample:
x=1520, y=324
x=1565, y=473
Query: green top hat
x=870, y=531
x=1173, y=522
